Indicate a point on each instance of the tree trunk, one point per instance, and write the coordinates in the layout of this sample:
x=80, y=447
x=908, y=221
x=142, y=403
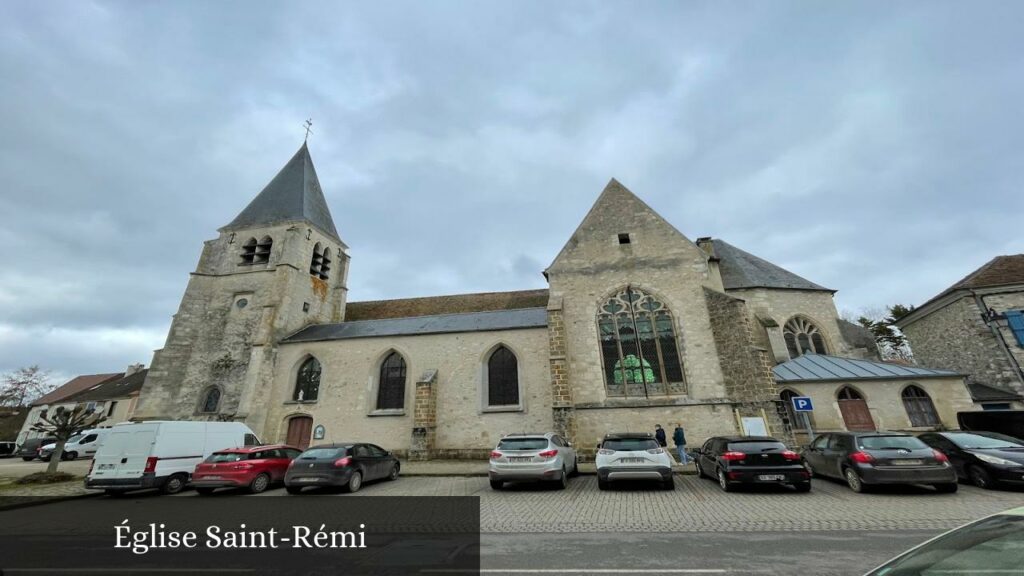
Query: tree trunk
x=58, y=453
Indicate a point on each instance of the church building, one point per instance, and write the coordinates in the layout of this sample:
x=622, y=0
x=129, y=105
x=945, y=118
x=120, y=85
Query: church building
x=639, y=325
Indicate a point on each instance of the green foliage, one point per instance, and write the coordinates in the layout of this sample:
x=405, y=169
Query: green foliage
x=892, y=344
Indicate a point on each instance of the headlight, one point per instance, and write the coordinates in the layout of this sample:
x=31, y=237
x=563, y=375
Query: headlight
x=995, y=460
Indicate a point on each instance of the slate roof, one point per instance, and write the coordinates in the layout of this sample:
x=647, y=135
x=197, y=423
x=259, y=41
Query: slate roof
x=821, y=367
x=742, y=269
x=293, y=195
x=75, y=386
x=436, y=324
x=113, y=389
x=986, y=393
x=453, y=304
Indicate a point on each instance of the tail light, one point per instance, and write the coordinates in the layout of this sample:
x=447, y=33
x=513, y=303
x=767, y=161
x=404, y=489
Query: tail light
x=150, y=464
x=243, y=466
x=495, y=455
x=730, y=456
x=862, y=457
x=790, y=455
x=940, y=457
x=656, y=451
x=548, y=454
x=342, y=462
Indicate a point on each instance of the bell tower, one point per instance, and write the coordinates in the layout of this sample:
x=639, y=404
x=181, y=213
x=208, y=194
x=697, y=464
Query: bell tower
x=278, y=266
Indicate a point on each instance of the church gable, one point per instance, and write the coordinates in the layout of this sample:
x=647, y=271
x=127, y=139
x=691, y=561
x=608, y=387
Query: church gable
x=621, y=230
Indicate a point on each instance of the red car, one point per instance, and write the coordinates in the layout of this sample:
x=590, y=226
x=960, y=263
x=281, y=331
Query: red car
x=252, y=467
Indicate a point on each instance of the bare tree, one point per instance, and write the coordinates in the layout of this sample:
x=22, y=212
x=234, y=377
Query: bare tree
x=24, y=385
x=62, y=424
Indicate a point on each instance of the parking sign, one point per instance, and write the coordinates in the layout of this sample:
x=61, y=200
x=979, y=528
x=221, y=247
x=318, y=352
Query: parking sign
x=802, y=404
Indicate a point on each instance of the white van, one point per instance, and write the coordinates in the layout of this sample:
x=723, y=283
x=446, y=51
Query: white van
x=81, y=445
x=157, y=454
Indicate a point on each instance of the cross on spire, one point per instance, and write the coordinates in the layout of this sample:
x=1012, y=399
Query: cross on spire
x=309, y=128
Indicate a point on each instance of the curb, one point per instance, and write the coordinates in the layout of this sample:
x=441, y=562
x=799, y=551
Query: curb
x=43, y=500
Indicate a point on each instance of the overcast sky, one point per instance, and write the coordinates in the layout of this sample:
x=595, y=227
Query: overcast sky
x=876, y=152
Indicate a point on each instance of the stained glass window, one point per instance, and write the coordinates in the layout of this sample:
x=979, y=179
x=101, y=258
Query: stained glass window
x=307, y=384
x=211, y=401
x=803, y=337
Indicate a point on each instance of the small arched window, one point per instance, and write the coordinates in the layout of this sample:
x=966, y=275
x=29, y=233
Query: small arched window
x=848, y=393
x=263, y=250
x=211, y=401
x=919, y=407
x=502, y=378
x=249, y=251
x=307, y=382
x=314, y=264
x=391, y=387
x=803, y=337
x=325, y=265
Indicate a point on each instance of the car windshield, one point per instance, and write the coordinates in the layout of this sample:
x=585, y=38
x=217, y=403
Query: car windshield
x=993, y=545
x=321, y=453
x=523, y=444
x=890, y=443
x=218, y=457
x=629, y=444
x=988, y=441
x=753, y=447
x=73, y=439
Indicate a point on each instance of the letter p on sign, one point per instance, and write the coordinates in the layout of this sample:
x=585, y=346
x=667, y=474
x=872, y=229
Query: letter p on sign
x=802, y=404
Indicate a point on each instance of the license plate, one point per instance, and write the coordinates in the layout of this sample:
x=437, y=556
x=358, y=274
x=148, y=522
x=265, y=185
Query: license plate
x=771, y=477
x=211, y=478
x=520, y=459
x=631, y=460
x=106, y=467
x=908, y=462
x=307, y=479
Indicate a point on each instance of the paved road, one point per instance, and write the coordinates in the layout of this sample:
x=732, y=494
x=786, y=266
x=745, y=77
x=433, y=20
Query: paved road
x=16, y=467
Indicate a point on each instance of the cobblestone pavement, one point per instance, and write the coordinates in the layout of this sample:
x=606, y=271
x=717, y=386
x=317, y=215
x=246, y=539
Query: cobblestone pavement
x=698, y=505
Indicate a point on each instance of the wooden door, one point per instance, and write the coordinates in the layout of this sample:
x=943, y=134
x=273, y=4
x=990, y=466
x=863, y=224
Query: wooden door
x=856, y=415
x=299, y=431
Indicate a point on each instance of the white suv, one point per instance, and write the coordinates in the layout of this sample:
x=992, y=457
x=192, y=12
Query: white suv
x=532, y=457
x=632, y=456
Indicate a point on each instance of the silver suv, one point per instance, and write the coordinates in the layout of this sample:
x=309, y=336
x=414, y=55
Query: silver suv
x=533, y=457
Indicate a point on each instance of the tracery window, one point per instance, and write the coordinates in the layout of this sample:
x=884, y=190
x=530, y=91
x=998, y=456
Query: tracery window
x=307, y=381
x=639, y=348
x=803, y=337
x=391, y=387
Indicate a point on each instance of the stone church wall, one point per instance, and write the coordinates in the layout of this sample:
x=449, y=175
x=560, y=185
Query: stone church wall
x=782, y=305
x=350, y=368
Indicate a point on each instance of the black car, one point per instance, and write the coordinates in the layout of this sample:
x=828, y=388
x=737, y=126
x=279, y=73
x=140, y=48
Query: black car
x=986, y=459
x=865, y=459
x=30, y=448
x=346, y=465
x=737, y=460
x=7, y=449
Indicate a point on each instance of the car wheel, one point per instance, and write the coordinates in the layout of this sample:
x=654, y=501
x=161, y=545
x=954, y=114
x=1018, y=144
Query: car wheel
x=497, y=484
x=354, y=483
x=947, y=488
x=669, y=484
x=259, y=484
x=979, y=477
x=700, y=471
x=724, y=483
x=853, y=480
x=575, y=467
x=114, y=493
x=602, y=484
x=28, y=458
x=174, y=484
x=293, y=489
x=802, y=486
x=563, y=482
x=394, y=472
x=69, y=456
x=205, y=491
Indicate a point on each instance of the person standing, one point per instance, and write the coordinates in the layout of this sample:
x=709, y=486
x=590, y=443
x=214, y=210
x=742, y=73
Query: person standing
x=659, y=435
x=679, y=439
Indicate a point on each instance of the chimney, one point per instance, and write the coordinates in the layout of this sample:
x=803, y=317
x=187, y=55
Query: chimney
x=134, y=368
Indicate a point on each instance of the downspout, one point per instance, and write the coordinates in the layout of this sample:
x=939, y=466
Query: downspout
x=979, y=300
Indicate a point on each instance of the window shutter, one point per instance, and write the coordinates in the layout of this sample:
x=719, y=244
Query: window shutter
x=1016, y=320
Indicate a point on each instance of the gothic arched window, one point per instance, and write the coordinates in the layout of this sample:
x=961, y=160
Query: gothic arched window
x=391, y=387
x=803, y=337
x=502, y=378
x=211, y=401
x=919, y=407
x=796, y=419
x=262, y=255
x=314, y=264
x=639, y=349
x=249, y=251
x=307, y=382
x=325, y=264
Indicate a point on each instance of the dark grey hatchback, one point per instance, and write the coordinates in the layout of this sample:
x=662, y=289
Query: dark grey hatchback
x=864, y=459
x=345, y=464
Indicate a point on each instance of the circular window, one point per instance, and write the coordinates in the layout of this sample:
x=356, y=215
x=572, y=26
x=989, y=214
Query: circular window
x=242, y=303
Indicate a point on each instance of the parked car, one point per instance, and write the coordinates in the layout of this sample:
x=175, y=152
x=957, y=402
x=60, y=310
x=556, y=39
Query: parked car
x=533, y=457
x=632, y=456
x=991, y=545
x=8, y=449
x=158, y=454
x=1009, y=422
x=738, y=460
x=29, y=449
x=865, y=459
x=347, y=465
x=986, y=459
x=253, y=467
x=82, y=445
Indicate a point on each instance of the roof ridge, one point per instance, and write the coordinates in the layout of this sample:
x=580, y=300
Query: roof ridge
x=499, y=311
x=452, y=295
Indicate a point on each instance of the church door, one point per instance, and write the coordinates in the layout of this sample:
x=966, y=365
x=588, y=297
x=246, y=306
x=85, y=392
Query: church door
x=299, y=429
x=855, y=411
